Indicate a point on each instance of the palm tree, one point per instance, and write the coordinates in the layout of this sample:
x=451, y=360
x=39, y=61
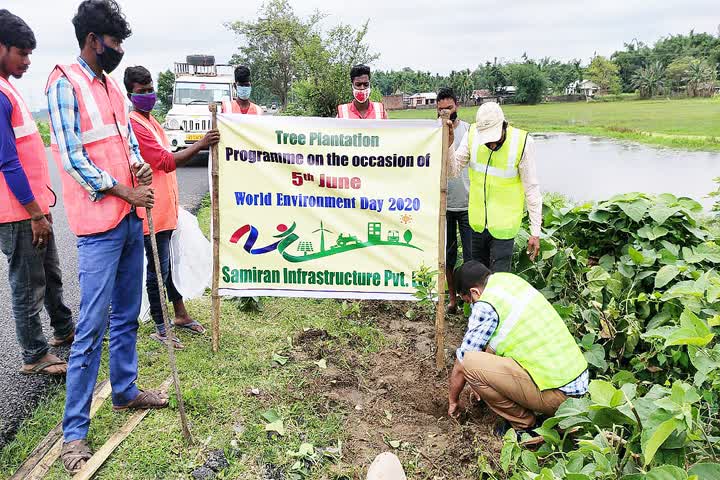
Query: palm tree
x=649, y=79
x=700, y=76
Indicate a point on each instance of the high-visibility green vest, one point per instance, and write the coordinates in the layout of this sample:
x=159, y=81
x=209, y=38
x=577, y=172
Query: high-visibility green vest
x=531, y=332
x=497, y=196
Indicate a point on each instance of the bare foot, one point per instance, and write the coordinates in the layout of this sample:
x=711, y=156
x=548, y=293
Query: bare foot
x=47, y=365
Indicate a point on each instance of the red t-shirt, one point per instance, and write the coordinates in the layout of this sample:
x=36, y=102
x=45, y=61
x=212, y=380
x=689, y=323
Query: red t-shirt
x=152, y=152
x=369, y=113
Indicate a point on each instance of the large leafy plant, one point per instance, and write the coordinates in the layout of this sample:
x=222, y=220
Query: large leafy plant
x=634, y=279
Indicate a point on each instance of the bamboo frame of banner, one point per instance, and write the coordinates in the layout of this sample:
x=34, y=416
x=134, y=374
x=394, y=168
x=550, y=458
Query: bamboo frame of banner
x=215, y=227
x=440, y=308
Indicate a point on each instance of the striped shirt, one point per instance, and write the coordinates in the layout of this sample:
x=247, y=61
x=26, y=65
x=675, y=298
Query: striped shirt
x=482, y=324
x=65, y=128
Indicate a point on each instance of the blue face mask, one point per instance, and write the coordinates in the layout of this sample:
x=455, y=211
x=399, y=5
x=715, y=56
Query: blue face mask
x=243, y=93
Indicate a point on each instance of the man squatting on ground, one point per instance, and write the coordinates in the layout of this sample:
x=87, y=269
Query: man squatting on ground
x=517, y=354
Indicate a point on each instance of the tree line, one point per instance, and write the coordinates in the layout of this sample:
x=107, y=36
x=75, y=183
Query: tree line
x=304, y=68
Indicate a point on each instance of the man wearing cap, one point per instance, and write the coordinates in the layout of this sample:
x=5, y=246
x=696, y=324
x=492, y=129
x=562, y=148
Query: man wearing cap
x=501, y=160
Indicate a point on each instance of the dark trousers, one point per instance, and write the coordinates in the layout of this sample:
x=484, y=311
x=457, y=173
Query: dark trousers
x=35, y=279
x=151, y=282
x=457, y=221
x=493, y=253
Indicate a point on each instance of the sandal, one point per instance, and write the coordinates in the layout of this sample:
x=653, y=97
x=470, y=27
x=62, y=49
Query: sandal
x=60, y=342
x=193, y=327
x=146, y=399
x=164, y=340
x=75, y=455
x=41, y=369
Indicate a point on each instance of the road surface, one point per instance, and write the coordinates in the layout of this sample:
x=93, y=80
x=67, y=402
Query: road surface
x=20, y=394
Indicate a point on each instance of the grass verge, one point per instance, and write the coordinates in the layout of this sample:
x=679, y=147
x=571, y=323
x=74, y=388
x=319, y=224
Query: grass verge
x=692, y=124
x=217, y=389
x=352, y=379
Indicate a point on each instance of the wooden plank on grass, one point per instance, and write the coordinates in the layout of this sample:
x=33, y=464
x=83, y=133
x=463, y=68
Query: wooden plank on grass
x=97, y=460
x=48, y=450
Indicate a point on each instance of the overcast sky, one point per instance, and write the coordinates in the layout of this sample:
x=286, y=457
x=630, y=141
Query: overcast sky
x=430, y=35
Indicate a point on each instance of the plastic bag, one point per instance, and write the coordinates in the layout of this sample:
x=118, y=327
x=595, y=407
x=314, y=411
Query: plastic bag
x=190, y=257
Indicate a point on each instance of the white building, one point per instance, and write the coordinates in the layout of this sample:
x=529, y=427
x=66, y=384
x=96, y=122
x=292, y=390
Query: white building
x=422, y=99
x=585, y=87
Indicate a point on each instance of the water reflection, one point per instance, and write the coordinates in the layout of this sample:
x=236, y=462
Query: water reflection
x=595, y=168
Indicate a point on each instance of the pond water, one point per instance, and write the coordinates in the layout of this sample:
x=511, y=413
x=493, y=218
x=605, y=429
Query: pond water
x=593, y=168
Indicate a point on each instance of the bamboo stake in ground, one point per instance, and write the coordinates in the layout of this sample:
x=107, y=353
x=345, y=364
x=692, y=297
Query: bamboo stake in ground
x=171, y=348
x=440, y=311
x=215, y=227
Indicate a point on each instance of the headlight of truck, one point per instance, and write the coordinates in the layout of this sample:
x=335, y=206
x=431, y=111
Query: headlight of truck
x=172, y=124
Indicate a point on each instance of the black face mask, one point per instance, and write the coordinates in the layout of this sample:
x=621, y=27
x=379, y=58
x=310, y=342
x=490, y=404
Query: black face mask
x=110, y=58
x=453, y=116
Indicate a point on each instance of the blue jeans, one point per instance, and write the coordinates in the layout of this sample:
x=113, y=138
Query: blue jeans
x=35, y=279
x=153, y=290
x=110, y=265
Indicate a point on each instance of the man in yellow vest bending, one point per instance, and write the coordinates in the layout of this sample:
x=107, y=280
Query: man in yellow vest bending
x=501, y=160
x=517, y=354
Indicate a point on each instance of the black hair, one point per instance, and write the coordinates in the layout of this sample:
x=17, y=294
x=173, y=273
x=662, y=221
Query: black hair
x=134, y=75
x=242, y=74
x=445, y=93
x=358, y=71
x=469, y=275
x=14, y=32
x=101, y=17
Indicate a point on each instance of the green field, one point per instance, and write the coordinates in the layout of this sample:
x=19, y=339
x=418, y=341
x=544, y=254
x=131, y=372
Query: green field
x=688, y=123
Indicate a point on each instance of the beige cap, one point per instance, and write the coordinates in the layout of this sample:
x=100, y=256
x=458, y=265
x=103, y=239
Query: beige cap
x=489, y=121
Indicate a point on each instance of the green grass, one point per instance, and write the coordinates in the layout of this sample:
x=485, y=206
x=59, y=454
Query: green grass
x=222, y=412
x=688, y=123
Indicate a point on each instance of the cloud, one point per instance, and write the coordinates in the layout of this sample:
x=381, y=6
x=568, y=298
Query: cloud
x=422, y=34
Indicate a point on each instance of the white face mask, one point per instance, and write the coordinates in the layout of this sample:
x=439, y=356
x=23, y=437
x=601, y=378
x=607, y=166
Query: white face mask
x=361, y=96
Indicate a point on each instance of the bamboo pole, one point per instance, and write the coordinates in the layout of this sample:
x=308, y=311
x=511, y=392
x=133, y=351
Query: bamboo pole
x=171, y=348
x=440, y=308
x=215, y=227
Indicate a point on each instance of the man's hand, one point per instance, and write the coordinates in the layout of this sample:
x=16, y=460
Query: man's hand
x=211, y=138
x=41, y=231
x=533, y=247
x=142, y=196
x=143, y=172
x=453, y=409
x=451, y=137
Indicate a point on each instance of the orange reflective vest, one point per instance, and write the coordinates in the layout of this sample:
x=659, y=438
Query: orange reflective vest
x=231, y=106
x=167, y=201
x=31, y=153
x=105, y=138
x=344, y=111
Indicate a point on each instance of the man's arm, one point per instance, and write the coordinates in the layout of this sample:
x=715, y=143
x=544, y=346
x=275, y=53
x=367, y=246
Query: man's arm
x=15, y=176
x=482, y=324
x=457, y=383
x=458, y=160
x=533, y=197
x=65, y=125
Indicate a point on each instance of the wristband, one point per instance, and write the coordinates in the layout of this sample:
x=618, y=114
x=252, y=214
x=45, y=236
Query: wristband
x=38, y=218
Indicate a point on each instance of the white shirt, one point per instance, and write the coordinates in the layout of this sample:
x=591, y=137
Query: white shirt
x=458, y=160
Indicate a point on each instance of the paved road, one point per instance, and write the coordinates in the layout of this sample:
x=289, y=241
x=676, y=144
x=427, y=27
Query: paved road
x=20, y=394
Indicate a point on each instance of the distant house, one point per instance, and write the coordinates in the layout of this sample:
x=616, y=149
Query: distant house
x=507, y=90
x=585, y=87
x=422, y=99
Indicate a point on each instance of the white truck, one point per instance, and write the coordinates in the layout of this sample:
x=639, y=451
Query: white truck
x=198, y=83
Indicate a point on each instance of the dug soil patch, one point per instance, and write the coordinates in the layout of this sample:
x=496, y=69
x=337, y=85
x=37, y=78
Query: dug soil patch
x=395, y=400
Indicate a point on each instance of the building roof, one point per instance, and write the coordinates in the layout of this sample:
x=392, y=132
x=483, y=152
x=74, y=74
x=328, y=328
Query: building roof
x=426, y=95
